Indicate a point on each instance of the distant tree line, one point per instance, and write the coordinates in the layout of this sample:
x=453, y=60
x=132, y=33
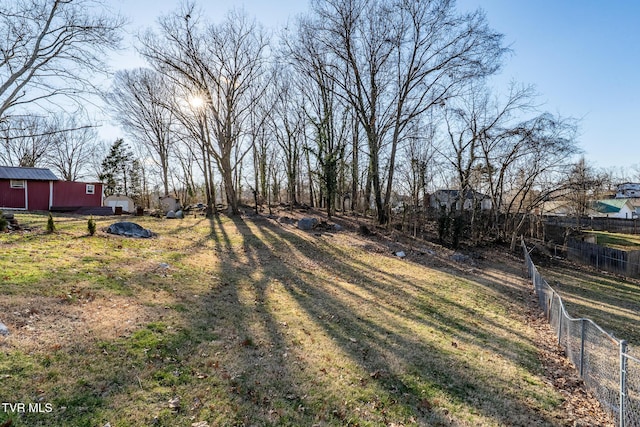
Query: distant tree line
x=359, y=105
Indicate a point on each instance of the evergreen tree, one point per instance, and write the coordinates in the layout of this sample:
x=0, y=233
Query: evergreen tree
x=134, y=173
x=120, y=171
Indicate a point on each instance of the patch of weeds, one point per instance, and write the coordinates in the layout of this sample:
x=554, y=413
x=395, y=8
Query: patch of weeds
x=171, y=375
x=46, y=361
x=179, y=307
x=113, y=282
x=17, y=364
x=107, y=347
x=145, y=339
x=80, y=409
x=91, y=226
x=247, y=342
x=157, y=341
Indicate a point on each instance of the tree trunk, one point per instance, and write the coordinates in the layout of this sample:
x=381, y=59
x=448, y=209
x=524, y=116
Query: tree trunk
x=229, y=187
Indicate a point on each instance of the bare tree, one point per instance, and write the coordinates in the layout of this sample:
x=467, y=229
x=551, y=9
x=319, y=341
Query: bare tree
x=71, y=148
x=518, y=162
x=25, y=141
x=478, y=131
x=538, y=156
x=398, y=60
x=327, y=118
x=218, y=63
x=141, y=100
x=287, y=123
x=52, y=48
x=583, y=185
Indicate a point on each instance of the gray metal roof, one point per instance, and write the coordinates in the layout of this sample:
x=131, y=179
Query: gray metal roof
x=34, y=174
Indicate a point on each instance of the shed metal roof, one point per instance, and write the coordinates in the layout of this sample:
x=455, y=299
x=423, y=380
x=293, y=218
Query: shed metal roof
x=33, y=174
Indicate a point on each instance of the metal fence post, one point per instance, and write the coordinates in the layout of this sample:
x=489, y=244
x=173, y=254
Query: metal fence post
x=559, y=322
x=582, y=339
x=623, y=381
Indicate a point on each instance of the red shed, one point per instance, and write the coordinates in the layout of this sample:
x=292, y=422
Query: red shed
x=39, y=189
x=26, y=188
x=71, y=194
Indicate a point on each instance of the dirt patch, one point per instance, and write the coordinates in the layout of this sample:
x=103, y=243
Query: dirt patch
x=41, y=323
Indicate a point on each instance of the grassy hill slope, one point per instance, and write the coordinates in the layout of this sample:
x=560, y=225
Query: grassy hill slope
x=250, y=322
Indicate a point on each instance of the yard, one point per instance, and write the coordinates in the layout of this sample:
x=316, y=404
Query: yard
x=617, y=240
x=610, y=300
x=248, y=321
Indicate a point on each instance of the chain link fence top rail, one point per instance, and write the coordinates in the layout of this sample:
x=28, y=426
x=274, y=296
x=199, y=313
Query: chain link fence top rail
x=603, y=361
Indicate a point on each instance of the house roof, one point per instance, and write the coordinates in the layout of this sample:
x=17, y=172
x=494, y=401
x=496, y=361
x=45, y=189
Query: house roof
x=470, y=194
x=557, y=206
x=609, y=205
x=33, y=174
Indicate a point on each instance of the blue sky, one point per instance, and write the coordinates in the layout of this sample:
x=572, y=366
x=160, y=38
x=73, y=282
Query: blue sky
x=582, y=56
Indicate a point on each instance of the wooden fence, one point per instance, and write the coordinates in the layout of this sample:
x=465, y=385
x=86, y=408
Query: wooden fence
x=604, y=258
x=613, y=225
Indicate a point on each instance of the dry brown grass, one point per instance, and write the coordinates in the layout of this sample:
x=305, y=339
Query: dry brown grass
x=258, y=323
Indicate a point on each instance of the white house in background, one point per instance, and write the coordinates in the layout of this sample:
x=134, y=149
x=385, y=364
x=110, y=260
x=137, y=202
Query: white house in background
x=627, y=190
x=635, y=202
x=448, y=198
x=612, y=208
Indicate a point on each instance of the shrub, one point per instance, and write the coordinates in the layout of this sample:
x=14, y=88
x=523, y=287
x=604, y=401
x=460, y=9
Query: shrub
x=91, y=226
x=3, y=222
x=51, y=226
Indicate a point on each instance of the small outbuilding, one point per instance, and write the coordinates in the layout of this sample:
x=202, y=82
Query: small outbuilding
x=126, y=203
x=39, y=189
x=169, y=203
x=26, y=188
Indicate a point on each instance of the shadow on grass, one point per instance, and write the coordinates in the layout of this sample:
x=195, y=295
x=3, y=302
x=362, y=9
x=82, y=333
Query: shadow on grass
x=292, y=331
x=400, y=376
x=610, y=301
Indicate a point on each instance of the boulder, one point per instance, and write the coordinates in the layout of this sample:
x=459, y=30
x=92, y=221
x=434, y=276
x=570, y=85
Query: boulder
x=179, y=214
x=3, y=329
x=307, y=223
x=171, y=215
x=128, y=229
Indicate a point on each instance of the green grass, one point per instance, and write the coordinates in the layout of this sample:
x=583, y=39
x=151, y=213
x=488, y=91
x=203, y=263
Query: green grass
x=254, y=323
x=617, y=240
x=612, y=301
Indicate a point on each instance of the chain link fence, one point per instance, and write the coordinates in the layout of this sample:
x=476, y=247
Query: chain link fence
x=603, y=361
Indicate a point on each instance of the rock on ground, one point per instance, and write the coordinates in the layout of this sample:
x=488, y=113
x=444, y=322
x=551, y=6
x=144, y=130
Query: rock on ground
x=128, y=229
x=307, y=223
